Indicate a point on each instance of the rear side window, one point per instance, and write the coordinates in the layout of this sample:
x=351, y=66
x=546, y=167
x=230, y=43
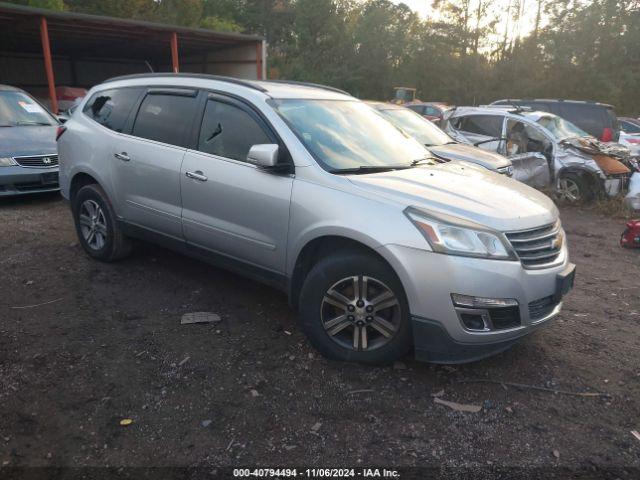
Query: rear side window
x=111, y=108
x=229, y=131
x=165, y=118
x=489, y=125
x=417, y=108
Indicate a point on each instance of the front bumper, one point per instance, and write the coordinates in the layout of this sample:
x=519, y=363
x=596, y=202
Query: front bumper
x=429, y=280
x=18, y=180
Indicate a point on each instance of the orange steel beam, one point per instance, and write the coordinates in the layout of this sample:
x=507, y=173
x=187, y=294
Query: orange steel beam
x=48, y=64
x=174, y=52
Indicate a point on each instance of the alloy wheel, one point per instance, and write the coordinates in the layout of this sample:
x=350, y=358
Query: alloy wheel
x=569, y=190
x=360, y=313
x=93, y=224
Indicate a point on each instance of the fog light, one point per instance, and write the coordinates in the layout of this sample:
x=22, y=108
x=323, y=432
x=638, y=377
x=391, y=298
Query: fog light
x=474, y=321
x=468, y=301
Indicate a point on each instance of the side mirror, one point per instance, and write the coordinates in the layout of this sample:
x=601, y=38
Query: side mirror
x=263, y=155
x=62, y=118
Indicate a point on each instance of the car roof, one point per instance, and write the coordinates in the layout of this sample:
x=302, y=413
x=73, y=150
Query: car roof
x=433, y=104
x=555, y=100
x=278, y=89
x=501, y=110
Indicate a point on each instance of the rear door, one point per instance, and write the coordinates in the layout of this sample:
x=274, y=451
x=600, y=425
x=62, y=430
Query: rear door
x=485, y=131
x=147, y=160
x=232, y=207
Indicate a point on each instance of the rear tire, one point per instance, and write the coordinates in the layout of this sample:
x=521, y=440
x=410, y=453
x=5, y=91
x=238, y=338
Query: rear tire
x=348, y=293
x=95, y=220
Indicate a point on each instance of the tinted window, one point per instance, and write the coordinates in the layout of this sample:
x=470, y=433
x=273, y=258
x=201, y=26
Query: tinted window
x=590, y=118
x=417, y=108
x=111, y=108
x=434, y=112
x=229, y=131
x=489, y=125
x=165, y=118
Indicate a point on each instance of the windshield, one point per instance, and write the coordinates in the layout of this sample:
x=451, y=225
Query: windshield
x=560, y=128
x=344, y=134
x=18, y=109
x=419, y=128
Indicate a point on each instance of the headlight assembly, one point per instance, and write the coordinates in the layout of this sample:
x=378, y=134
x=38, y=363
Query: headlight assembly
x=455, y=236
x=7, y=162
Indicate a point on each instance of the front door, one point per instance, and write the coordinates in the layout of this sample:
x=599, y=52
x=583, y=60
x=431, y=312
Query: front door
x=229, y=206
x=530, y=152
x=146, y=162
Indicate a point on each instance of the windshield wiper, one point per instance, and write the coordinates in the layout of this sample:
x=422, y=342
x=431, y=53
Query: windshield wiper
x=415, y=163
x=24, y=124
x=370, y=168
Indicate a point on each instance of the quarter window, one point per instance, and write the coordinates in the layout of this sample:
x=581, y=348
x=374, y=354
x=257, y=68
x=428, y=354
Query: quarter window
x=229, y=131
x=165, y=118
x=111, y=108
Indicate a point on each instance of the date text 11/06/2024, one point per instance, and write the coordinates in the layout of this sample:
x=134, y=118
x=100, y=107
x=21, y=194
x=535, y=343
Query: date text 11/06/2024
x=316, y=472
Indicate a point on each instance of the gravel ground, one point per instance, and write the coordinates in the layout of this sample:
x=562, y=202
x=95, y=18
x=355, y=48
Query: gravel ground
x=107, y=344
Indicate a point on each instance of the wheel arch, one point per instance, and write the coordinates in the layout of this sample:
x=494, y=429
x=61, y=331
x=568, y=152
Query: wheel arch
x=318, y=248
x=592, y=177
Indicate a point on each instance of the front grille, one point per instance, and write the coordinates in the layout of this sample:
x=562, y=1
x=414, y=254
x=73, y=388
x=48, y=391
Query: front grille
x=37, y=161
x=541, y=308
x=538, y=247
x=502, y=318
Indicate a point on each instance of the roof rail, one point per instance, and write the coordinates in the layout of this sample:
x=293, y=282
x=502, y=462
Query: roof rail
x=308, y=84
x=205, y=76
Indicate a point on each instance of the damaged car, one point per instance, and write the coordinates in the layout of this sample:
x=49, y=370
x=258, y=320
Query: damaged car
x=546, y=150
x=440, y=145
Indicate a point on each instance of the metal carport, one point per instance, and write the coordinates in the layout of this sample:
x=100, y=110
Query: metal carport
x=40, y=49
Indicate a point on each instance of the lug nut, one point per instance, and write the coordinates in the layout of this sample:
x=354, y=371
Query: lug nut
x=369, y=319
x=360, y=303
x=351, y=308
x=350, y=318
x=369, y=308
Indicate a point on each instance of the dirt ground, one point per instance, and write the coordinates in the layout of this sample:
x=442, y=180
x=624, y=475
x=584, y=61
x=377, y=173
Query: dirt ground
x=107, y=344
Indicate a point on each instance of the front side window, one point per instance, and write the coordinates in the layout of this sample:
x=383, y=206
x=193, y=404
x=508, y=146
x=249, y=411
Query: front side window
x=422, y=130
x=348, y=134
x=229, y=131
x=20, y=110
x=165, y=118
x=111, y=108
x=488, y=125
x=523, y=138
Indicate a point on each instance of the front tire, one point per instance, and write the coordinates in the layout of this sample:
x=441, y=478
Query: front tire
x=574, y=189
x=95, y=220
x=353, y=308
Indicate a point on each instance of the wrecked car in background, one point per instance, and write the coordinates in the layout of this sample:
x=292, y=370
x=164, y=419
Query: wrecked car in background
x=546, y=150
x=440, y=145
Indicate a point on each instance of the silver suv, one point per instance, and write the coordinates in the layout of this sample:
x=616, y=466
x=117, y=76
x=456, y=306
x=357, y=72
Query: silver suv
x=310, y=190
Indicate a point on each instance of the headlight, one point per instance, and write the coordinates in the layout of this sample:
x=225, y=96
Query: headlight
x=7, y=162
x=455, y=236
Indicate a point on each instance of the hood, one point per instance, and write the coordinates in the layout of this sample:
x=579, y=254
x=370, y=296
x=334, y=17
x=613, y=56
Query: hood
x=32, y=140
x=593, y=146
x=469, y=153
x=464, y=191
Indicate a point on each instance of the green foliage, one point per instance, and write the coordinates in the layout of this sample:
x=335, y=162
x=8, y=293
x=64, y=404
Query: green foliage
x=580, y=49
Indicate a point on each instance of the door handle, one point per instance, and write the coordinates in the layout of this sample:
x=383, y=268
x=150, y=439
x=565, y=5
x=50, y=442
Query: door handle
x=122, y=156
x=197, y=175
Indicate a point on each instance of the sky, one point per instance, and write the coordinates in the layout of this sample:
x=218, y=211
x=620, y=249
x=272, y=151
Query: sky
x=423, y=8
